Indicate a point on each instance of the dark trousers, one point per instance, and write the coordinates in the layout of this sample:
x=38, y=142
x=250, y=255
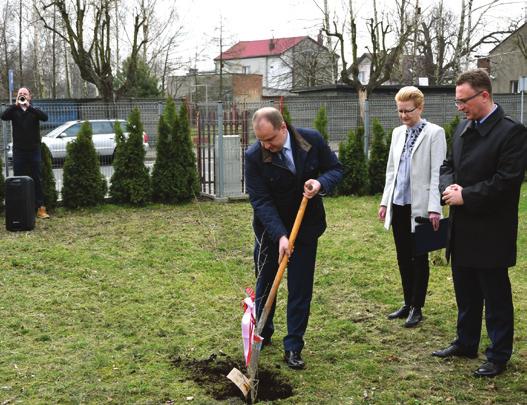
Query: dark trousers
x=29, y=163
x=300, y=274
x=489, y=288
x=414, y=270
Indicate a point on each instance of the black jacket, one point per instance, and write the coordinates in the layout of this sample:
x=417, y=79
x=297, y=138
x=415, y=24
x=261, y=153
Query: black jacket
x=26, y=126
x=275, y=192
x=489, y=163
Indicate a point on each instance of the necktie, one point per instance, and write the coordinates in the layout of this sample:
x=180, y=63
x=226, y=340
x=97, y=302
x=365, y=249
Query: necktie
x=289, y=163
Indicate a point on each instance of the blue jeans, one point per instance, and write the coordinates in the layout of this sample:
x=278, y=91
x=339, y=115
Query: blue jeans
x=29, y=163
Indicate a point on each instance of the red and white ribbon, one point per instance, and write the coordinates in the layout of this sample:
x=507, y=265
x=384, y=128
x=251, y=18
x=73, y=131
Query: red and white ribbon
x=248, y=324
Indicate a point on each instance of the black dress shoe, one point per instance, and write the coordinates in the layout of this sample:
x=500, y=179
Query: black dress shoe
x=400, y=313
x=490, y=369
x=294, y=360
x=454, y=350
x=414, y=317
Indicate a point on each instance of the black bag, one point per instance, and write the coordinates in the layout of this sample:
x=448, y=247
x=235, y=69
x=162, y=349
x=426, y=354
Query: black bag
x=19, y=203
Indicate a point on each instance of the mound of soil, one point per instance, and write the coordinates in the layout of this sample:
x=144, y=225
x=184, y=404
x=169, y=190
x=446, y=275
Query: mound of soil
x=211, y=375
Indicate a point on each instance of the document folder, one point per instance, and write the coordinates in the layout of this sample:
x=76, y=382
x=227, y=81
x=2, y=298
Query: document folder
x=426, y=239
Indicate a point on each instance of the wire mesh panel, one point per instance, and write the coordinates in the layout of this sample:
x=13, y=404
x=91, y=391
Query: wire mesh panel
x=343, y=114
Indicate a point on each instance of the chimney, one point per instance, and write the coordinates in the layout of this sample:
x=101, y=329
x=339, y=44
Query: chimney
x=271, y=44
x=320, y=38
x=484, y=63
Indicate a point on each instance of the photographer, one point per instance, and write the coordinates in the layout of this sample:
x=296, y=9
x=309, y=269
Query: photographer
x=26, y=142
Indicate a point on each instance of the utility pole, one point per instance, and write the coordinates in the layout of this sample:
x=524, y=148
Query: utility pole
x=414, y=50
x=221, y=58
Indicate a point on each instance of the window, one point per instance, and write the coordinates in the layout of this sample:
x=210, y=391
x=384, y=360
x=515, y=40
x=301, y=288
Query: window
x=246, y=69
x=362, y=77
x=101, y=127
x=72, y=131
x=514, y=86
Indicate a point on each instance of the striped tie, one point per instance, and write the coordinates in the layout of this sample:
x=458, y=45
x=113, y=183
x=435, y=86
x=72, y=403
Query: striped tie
x=289, y=163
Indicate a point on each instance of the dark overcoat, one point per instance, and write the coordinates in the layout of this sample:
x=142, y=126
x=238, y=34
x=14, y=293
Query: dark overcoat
x=275, y=192
x=488, y=161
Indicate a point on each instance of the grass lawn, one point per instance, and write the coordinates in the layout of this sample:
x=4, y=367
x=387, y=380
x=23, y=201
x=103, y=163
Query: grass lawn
x=96, y=306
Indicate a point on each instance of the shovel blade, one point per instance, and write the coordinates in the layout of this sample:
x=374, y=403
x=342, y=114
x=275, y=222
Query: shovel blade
x=239, y=379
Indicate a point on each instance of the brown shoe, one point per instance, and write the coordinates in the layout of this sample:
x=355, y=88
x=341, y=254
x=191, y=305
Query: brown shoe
x=42, y=214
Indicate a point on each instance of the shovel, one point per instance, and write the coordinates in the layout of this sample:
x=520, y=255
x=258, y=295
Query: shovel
x=250, y=384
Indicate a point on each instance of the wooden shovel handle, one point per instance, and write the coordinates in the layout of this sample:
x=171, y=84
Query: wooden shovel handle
x=281, y=269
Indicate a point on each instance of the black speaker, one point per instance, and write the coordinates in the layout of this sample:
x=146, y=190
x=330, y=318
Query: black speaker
x=19, y=203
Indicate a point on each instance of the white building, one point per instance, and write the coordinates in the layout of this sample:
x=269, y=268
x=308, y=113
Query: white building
x=284, y=63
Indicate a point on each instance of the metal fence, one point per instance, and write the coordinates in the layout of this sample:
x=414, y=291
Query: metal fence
x=221, y=132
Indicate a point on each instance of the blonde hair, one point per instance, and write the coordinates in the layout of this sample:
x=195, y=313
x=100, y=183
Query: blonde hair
x=411, y=93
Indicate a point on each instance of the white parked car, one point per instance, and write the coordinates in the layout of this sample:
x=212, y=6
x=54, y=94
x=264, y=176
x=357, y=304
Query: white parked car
x=103, y=137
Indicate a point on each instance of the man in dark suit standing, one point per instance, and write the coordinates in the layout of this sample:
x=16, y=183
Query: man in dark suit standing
x=283, y=165
x=481, y=183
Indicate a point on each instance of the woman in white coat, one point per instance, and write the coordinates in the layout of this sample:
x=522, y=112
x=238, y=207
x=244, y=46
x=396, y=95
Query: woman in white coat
x=417, y=150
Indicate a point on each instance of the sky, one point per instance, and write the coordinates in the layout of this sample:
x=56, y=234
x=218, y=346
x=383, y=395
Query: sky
x=251, y=20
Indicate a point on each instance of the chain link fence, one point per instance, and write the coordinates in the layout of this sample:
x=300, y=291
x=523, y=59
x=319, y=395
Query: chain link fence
x=222, y=132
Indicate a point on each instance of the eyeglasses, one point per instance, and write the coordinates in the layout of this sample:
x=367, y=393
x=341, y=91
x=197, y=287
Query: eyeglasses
x=407, y=111
x=462, y=101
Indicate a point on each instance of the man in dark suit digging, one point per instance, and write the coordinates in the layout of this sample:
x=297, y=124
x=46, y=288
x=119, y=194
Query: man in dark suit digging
x=283, y=165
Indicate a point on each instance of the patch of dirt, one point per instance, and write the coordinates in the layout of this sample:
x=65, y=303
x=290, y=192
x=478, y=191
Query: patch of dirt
x=211, y=375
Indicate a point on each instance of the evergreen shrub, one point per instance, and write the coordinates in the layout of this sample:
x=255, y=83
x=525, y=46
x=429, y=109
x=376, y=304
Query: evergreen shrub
x=378, y=159
x=84, y=185
x=49, y=187
x=321, y=123
x=351, y=155
x=130, y=182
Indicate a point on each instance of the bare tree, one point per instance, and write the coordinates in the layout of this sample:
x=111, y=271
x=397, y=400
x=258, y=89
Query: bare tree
x=308, y=63
x=163, y=33
x=447, y=40
x=86, y=29
x=383, y=56
x=7, y=44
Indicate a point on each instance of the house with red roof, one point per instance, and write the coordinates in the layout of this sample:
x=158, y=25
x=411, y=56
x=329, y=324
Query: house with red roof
x=284, y=63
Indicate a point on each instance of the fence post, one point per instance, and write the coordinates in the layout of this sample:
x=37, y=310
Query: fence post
x=366, y=127
x=219, y=154
x=521, y=107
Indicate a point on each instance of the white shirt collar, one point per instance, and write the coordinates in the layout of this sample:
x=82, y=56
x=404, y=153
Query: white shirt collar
x=287, y=144
x=481, y=121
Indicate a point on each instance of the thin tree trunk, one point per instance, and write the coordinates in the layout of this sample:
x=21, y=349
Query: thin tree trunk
x=363, y=96
x=165, y=71
x=469, y=32
x=117, y=56
x=67, y=71
x=20, y=42
x=329, y=44
x=39, y=88
x=414, y=50
x=4, y=42
x=54, y=56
